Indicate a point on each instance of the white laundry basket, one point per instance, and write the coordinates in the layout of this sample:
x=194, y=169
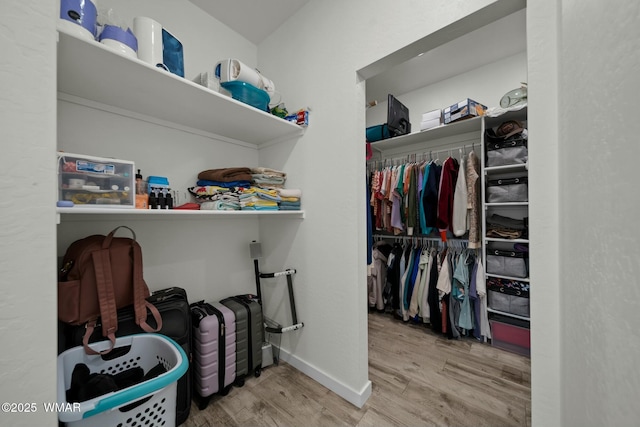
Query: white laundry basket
x=151, y=403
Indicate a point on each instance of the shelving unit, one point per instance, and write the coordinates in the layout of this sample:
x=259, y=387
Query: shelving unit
x=508, y=322
x=455, y=129
x=92, y=71
x=89, y=71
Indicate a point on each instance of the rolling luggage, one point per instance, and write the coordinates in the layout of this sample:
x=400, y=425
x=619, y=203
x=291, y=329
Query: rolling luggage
x=214, y=350
x=249, y=335
x=173, y=305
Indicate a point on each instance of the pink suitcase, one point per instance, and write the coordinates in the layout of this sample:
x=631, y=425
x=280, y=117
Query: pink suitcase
x=214, y=350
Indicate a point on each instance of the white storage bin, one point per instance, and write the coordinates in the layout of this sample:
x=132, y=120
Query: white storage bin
x=155, y=398
x=96, y=182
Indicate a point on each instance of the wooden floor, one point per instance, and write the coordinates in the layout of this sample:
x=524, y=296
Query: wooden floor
x=419, y=379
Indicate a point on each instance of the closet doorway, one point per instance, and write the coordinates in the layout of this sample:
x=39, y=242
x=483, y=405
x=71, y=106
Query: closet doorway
x=412, y=358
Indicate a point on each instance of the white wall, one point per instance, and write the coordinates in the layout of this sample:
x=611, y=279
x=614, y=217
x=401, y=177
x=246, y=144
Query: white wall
x=330, y=41
x=543, y=38
x=27, y=209
x=205, y=40
x=485, y=85
x=583, y=84
x=599, y=210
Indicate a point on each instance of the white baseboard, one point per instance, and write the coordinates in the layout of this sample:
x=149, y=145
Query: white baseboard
x=356, y=398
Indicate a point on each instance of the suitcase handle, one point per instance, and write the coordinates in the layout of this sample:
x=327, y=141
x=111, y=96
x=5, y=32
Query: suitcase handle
x=287, y=272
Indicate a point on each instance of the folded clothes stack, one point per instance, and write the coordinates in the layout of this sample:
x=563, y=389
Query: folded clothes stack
x=213, y=197
x=242, y=188
x=268, y=178
x=289, y=199
x=226, y=202
x=507, y=228
x=226, y=177
x=255, y=198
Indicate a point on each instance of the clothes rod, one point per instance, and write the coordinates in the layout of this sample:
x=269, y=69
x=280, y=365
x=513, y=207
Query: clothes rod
x=412, y=156
x=379, y=237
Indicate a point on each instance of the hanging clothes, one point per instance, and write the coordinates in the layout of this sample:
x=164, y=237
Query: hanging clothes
x=404, y=284
x=430, y=197
x=412, y=199
x=445, y=194
x=459, y=221
x=435, y=315
x=393, y=277
x=421, y=279
x=473, y=200
x=481, y=287
x=461, y=284
x=475, y=301
x=381, y=251
x=427, y=277
x=369, y=224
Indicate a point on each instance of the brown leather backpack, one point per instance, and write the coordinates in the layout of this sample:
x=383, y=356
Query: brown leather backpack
x=99, y=275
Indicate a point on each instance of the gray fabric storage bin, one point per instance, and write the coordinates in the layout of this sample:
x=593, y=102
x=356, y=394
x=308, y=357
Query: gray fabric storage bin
x=508, y=303
x=508, y=296
x=507, y=190
x=504, y=153
x=507, y=263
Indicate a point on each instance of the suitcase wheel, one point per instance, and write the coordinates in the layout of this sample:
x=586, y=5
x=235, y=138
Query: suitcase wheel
x=204, y=402
x=239, y=382
x=226, y=390
x=258, y=372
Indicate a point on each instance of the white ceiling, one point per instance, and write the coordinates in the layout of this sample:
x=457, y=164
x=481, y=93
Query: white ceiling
x=253, y=19
x=257, y=19
x=483, y=46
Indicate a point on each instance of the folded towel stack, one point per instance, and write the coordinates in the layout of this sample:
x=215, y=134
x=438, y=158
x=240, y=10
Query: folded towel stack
x=212, y=197
x=242, y=188
x=226, y=177
x=268, y=178
x=289, y=199
x=224, y=203
x=255, y=198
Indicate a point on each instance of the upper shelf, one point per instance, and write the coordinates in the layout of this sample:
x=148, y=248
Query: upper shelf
x=443, y=131
x=90, y=70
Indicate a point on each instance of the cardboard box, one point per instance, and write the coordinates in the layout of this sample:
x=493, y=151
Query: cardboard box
x=96, y=182
x=464, y=109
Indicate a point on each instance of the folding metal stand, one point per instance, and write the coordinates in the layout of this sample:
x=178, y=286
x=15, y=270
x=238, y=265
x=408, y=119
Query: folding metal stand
x=272, y=327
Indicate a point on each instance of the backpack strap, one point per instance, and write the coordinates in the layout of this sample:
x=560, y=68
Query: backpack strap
x=140, y=304
x=106, y=299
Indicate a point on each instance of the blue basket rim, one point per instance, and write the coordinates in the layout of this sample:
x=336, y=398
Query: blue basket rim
x=138, y=391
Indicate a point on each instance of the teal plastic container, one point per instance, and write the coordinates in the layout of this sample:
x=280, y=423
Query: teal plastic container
x=248, y=93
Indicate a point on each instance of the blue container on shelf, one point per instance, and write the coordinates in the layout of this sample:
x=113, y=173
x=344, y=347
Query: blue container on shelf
x=248, y=93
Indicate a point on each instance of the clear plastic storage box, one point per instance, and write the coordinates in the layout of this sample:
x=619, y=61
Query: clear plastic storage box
x=96, y=182
x=149, y=403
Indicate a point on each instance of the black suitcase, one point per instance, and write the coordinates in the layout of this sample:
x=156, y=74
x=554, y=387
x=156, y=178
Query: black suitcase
x=173, y=305
x=249, y=307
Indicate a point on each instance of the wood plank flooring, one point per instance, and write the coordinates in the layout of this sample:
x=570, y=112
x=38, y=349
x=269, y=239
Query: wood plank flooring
x=419, y=379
